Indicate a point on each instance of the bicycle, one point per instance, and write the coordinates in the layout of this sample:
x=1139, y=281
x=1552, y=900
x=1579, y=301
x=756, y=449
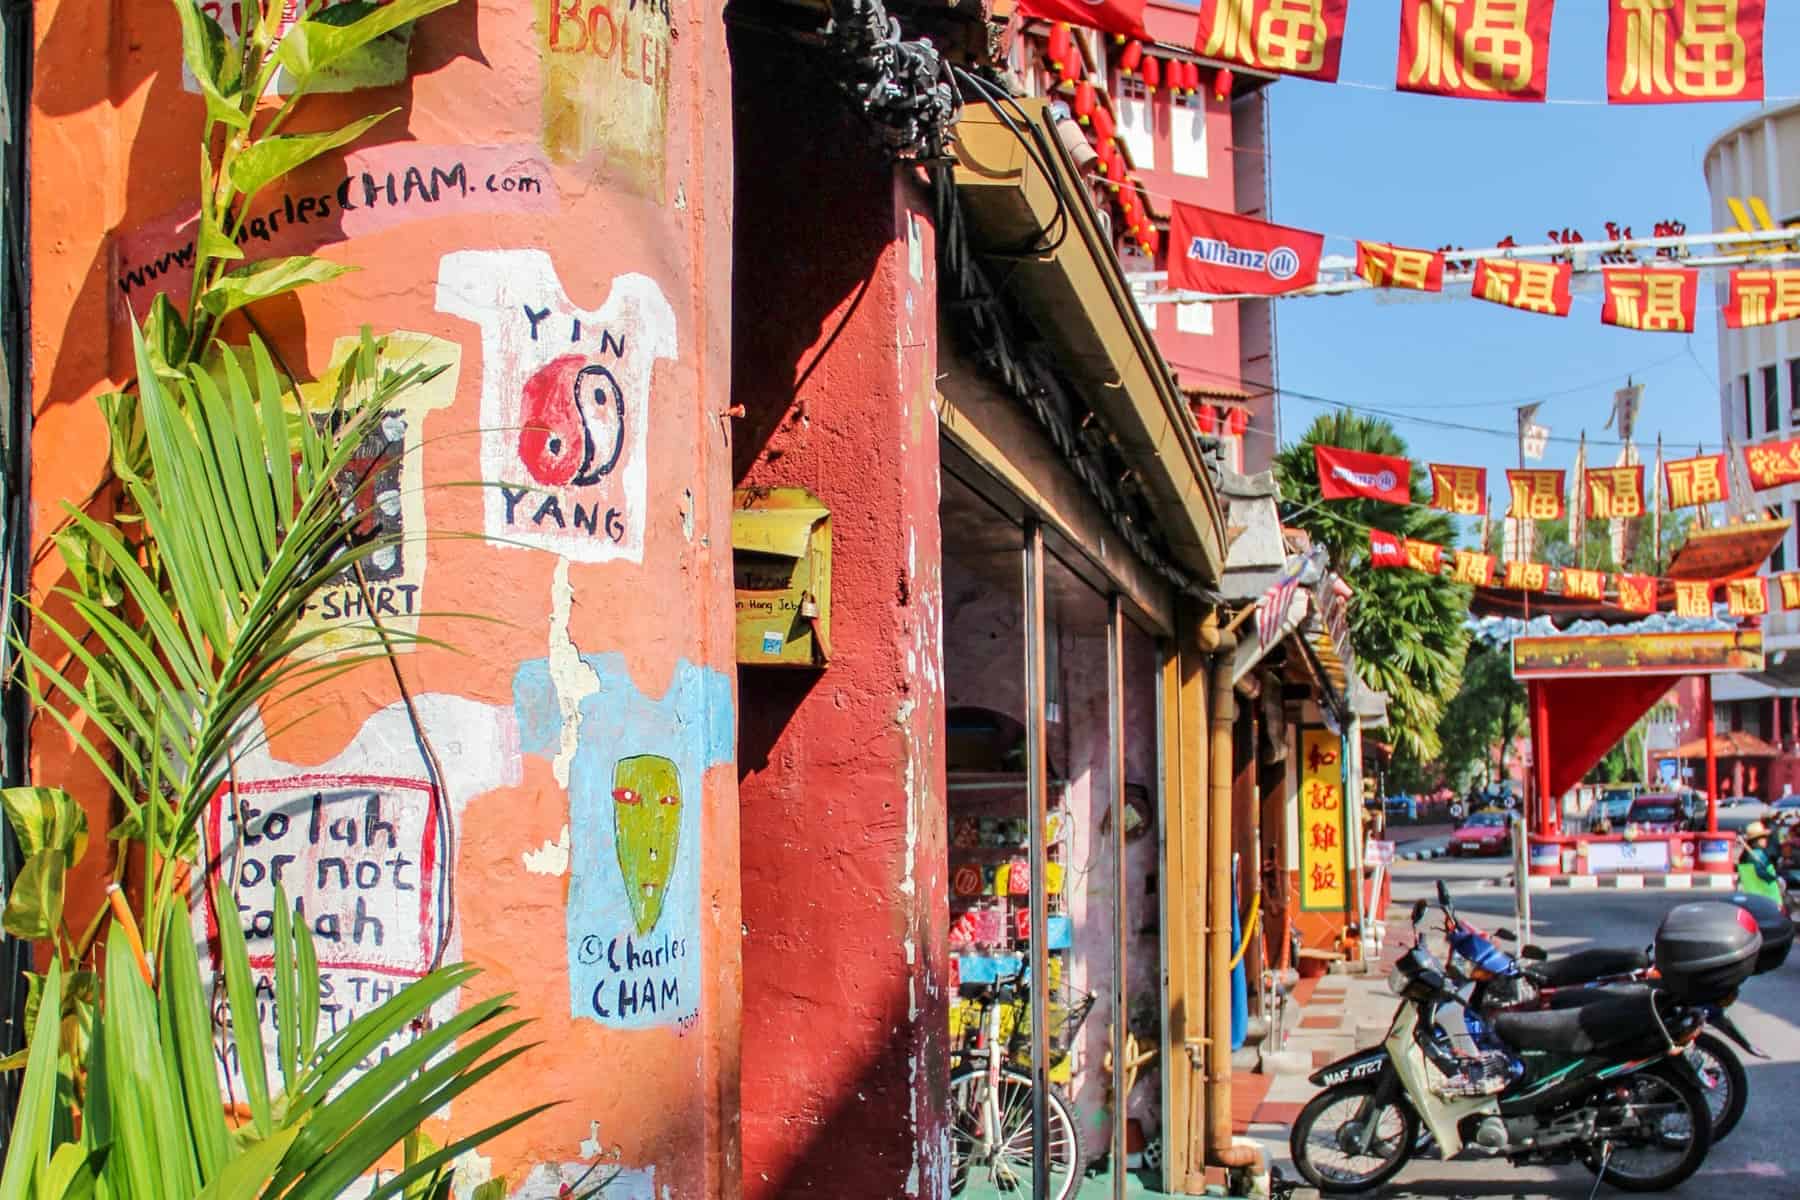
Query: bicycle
x=991, y=1098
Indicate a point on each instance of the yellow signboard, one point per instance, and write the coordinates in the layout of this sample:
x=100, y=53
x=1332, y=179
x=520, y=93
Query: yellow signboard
x=1323, y=885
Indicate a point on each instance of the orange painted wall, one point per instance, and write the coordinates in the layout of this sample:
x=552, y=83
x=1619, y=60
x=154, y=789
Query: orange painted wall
x=596, y=661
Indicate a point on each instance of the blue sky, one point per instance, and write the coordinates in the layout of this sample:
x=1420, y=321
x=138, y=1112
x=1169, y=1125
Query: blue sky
x=1428, y=171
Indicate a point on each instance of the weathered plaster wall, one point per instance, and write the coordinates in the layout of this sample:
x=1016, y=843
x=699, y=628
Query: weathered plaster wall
x=550, y=204
x=841, y=770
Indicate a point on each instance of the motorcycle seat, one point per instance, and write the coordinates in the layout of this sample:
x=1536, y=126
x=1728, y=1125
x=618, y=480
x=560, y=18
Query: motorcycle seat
x=1605, y=1017
x=1585, y=966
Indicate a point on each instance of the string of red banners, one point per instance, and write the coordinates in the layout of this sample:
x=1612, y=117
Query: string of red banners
x=1221, y=253
x=1657, y=51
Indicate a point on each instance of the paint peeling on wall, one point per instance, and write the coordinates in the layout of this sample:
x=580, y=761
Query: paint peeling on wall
x=551, y=858
x=575, y=681
x=365, y=845
x=565, y=401
x=635, y=800
x=606, y=87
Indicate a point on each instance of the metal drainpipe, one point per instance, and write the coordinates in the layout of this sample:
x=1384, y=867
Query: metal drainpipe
x=1221, y=1150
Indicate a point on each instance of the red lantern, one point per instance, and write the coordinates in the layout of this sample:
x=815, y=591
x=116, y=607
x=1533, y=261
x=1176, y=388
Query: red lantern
x=1190, y=78
x=1112, y=165
x=1058, y=49
x=1069, y=73
x=1221, y=84
x=1150, y=243
x=1128, y=208
x=1236, y=421
x=1131, y=57
x=1104, y=129
x=1152, y=73
x=1206, y=418
x=1083, y=104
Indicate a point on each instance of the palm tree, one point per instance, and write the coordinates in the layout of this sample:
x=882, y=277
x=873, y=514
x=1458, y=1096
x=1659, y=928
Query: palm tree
x=1407, y=628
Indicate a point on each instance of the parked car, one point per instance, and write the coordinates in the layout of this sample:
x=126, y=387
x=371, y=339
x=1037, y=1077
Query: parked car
x=1615, y=803
x=1660, y=813
x=1483, y=833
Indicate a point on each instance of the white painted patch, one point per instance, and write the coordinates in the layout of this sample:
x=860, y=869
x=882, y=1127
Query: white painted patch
x=551, y=858
x=687, y=513
x=546, y=1180
x=590, y=1145
x=572, y=677
x=471, y=1171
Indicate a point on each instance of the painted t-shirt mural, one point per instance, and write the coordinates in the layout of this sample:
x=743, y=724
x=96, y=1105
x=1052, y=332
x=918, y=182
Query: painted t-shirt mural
x=635, y=800
x=565, y=398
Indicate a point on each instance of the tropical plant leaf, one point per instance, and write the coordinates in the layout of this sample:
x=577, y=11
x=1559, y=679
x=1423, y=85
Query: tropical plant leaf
x=267, y=159
x=209, y=60
x=187, y=1029
x=34, y=907
x=248, y=1172
x=240, y=997
x=266, y=278
x=45, y=818
x=315, y=46
x=30, y=1142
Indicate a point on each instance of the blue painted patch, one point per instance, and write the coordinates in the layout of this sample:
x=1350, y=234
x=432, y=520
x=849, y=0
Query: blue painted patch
x=618, y=975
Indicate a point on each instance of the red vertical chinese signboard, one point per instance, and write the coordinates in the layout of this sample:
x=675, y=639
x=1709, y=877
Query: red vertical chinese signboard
x=1323, y=887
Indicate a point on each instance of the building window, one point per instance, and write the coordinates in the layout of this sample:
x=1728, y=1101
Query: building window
x=1744, y=391
x=1778, y=558
x=1137, y=122
x=1793, y=389
x=1771, y=399
x=1194, y=318
x=1187, y=135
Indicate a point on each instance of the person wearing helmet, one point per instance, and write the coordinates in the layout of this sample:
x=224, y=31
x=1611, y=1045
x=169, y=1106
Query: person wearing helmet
x=1756, y=871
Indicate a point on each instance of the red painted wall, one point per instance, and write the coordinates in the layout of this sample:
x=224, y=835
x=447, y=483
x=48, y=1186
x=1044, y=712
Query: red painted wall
x=841, y=770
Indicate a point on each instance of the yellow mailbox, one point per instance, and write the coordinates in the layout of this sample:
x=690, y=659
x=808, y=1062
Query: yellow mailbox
x=781, y=555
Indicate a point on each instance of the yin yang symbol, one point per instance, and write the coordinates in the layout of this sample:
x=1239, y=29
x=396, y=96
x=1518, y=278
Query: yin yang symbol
x=572, y=417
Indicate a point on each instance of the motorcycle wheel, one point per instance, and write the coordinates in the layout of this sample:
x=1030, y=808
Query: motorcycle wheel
x=1722, y=1080
x=1318, y=1143
x=1681, y=1136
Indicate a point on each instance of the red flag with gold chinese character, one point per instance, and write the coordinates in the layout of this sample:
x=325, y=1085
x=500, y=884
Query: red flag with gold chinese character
x=1637, y=593
x=1583, y=584
x=1536, y=495
x=1693, y=598
x=1693, y=481
x=1499, y=50
x=1667, y=51
x=1747, y=597
x=1286, y=37
x=1527, y=576
x=1762, y=297
x=1388, y=266
x=1538, y=287
x=1614, y=492
x=1790, y=589
x=1424, y=556
x=1476, y=570
x=1386, y=550
x=1655, y=300
x=1125, y=17
x=1459, y=489
x=1773, y=464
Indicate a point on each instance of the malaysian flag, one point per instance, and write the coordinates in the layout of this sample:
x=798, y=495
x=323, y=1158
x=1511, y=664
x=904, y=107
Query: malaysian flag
x=1276, y=601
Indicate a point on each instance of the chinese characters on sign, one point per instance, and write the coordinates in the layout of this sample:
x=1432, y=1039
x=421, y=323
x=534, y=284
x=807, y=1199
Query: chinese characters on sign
x=1477, y=49
x=1322, y=864
x=1762, y=298
x=1539, y=287
x=1699, y=480
x=1637, y=593
x=1536, y=495
x=1524, y=576
x=1652, y=300
x=1474, y=569
x=1658, y=51
x=1614, y=492
x=1790, y=589
x=1459, y=489
x=1584, y=585
x=1693, y=598
x=1424, y=556
x=1747, y=597
x=1773, y=464
x=1287, y=37
x=1398, y=267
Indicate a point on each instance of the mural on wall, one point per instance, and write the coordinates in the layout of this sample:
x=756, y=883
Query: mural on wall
x=364, y=846
x=376, y=188
x=606, y=87
x=635, y=784
x=565, y=401
x=384, y=482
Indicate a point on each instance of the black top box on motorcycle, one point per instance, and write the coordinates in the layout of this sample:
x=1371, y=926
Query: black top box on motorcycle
x=1705, y=951
x=1772, y=922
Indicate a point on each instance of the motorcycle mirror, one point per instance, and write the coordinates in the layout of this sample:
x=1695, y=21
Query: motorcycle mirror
x=1505, y=935
x=1443, y=894
x=1418, y=910
x=1534, y=953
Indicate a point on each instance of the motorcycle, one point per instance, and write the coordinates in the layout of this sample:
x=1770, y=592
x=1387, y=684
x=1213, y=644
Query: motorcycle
x=1500, y=982
x=1600, y=1082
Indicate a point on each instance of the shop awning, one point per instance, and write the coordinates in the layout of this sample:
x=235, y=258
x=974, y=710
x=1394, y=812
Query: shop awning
x=1076, y=295
x=1726, y=551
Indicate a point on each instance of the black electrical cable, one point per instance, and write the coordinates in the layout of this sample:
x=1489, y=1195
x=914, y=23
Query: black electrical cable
x=999, y=100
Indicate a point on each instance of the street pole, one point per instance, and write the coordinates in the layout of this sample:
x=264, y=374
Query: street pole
x=1712, y=759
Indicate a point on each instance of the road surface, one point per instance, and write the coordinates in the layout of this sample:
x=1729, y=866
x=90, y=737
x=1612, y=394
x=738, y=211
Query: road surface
x=1761, y=1158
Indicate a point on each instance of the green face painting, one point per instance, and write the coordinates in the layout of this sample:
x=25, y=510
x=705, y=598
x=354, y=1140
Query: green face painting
x=647, y=831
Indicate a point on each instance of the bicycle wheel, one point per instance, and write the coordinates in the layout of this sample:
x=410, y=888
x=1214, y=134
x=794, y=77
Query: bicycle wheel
x=998, y=1162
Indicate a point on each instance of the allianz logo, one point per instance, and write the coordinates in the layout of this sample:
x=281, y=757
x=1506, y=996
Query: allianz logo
x=1283, y=262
